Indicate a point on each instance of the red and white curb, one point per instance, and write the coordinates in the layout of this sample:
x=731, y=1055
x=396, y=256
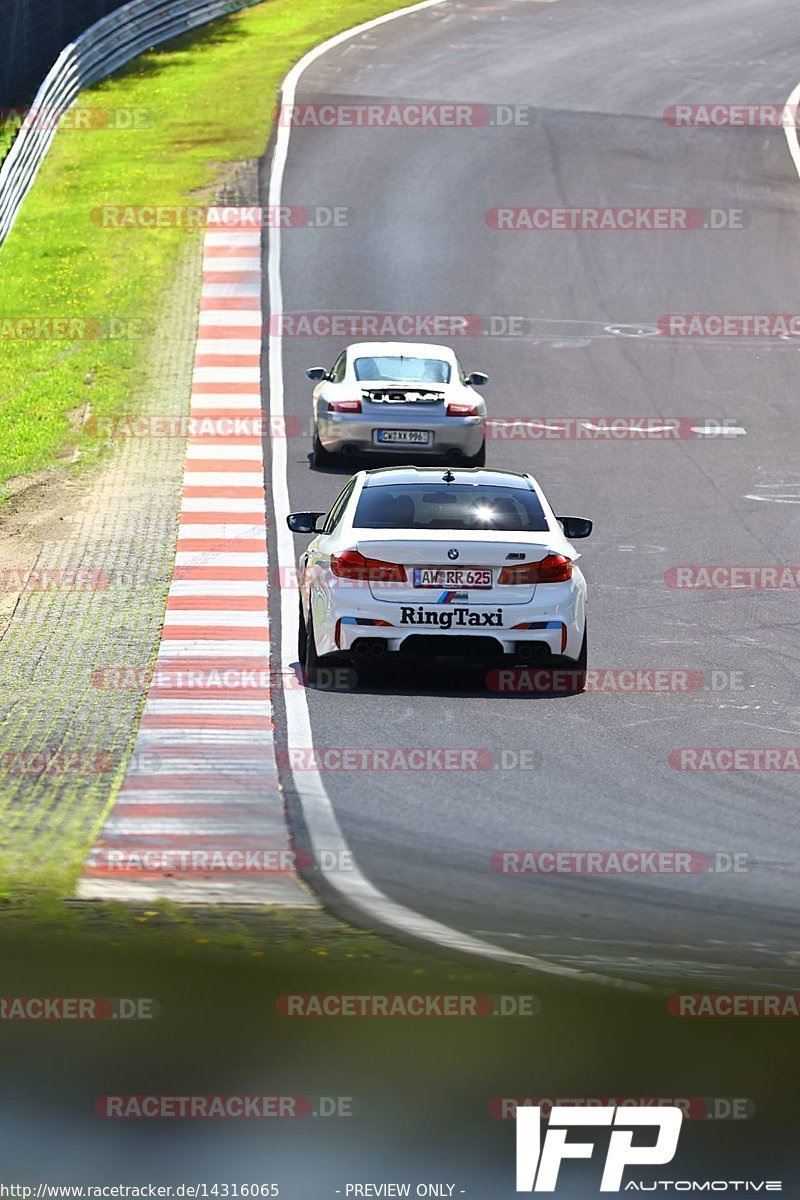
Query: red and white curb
x=200, y=817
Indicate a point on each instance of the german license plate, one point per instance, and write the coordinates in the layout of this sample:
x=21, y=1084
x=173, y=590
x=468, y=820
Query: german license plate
x=416, y=437
x=452, y=577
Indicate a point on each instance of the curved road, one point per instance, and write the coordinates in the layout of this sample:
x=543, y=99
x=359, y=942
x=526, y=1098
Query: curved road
x=597, y=75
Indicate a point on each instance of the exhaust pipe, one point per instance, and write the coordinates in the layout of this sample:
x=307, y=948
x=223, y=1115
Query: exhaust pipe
x=349, y=451
x=532, y=650
x=369, y=648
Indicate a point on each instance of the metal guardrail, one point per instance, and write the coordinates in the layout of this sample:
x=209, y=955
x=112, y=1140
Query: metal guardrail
x=108, y=44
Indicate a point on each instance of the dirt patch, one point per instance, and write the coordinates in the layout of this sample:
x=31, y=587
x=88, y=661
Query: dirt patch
x=42, y=508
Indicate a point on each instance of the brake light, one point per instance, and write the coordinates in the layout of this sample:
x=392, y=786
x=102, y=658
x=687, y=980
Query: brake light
x=555, y=568
x=455, y=409
x=344, y=406
x=351, y=564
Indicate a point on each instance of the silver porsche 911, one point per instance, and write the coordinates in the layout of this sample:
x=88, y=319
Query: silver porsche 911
x=398, y=398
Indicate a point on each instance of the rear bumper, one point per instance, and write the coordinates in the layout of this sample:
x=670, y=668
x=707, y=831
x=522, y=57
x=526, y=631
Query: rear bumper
x=551, y=625
x=343, y=432
x=539, y=646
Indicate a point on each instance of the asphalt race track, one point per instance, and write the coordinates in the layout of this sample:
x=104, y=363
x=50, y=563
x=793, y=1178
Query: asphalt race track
x=597, y=75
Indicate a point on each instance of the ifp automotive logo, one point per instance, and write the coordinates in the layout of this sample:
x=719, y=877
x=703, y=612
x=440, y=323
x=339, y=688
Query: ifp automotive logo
x=538, y=1161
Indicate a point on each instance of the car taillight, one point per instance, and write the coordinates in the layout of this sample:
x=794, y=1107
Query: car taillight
x=344, y=406
x=555, y=568
x=351, y=564
x=454, y=409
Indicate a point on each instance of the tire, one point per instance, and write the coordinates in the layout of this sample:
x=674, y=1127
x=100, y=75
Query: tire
x=310, y=660
x=320, y=456
x=576, y=667
x=302, y=637
x=479, y=459
x=580, y=663
x=579, y=666
x=329, y=672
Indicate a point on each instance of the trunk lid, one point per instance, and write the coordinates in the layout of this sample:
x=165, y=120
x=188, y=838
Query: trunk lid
x=434, y=577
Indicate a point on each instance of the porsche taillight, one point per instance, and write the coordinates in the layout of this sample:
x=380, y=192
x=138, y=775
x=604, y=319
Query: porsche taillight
x=555, y=568
x=344, y=406
x=456, y=409
x=351, y=564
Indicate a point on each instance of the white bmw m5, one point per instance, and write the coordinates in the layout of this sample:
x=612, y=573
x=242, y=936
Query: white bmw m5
x=433, y=564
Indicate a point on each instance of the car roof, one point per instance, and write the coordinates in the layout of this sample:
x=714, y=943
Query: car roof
x=407, y=349
x=387, y=475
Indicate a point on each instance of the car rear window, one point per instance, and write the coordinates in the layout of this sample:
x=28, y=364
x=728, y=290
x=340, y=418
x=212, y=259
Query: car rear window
x=396, y=368
x=450, y=506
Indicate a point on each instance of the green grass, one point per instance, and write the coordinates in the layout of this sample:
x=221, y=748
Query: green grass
x=211, y=96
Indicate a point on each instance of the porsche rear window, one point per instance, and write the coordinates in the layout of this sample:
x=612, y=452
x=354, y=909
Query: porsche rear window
x=396, y=368
x=453, y=506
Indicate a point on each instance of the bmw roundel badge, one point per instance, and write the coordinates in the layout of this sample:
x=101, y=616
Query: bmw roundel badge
x=452, y=553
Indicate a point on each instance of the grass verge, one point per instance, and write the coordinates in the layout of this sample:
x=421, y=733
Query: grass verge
x=199, y=105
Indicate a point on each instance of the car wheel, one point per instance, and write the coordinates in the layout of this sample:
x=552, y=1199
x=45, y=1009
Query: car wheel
x=320, y=456
x=579, y=666
x=575, y=668
x=580, y=663
x=311, y=662
x=329, y=672
x=479, y=459
x=302, y=638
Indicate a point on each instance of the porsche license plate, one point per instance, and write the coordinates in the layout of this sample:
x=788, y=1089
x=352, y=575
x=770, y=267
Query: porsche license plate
x=452, y=577
x=416, y=437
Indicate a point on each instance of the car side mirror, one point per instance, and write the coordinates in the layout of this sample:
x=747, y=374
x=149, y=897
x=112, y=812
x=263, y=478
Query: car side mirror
x=317, y=374
x=304, y=522
x=575, y=527
x=477, y=379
